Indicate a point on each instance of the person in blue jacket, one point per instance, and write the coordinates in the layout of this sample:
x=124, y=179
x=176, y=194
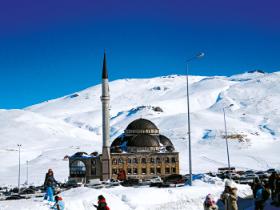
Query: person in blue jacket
x=59, y=204
x=49, y=185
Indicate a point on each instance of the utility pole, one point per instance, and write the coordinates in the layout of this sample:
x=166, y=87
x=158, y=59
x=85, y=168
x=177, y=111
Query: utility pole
x=27, y=172
x=199, y=55
x=19, y=146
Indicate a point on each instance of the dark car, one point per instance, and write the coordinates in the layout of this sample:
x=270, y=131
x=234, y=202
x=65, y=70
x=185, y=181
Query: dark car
x=15, y=197
x=174, y=180
x=271, y=170
x=28, y=191
x=72, y=183
x=130, y=182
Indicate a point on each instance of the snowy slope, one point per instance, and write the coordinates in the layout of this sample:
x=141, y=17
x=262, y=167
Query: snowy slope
x=59, y=127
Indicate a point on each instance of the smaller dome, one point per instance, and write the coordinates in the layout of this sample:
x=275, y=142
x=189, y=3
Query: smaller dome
x=165, y=141
x=143, y=140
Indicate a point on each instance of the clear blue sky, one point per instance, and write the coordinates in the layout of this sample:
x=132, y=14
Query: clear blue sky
x=52, y=48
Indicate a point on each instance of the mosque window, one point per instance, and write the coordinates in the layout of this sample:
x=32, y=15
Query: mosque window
x=167, y=160
x=135, y=160
x=129, y=171
x=114, y=161
x=135, y=171
x=167, y=170
x=158, y=170
x=144, y=170
x=158, y=160
x=120, y=161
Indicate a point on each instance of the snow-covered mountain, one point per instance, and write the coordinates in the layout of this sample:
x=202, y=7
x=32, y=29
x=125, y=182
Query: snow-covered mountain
x=50, y=130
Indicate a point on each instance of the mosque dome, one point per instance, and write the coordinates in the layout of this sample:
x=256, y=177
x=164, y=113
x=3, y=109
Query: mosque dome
x=142, y=126
x=143, y=140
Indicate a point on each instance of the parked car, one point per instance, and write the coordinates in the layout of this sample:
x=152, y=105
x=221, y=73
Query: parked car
x=174, y=180
x=71, y=183
x=271, y=170
x=130, y=182
x=95, y=183
x=262, y=174
x=245, y=180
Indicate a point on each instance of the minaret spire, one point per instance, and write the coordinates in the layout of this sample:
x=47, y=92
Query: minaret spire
x=105, y=99
x=104, y=69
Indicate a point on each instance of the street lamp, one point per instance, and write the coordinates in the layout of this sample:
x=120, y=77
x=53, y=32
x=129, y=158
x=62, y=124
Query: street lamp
x=19, y=146
x=27, y=172
x=226, y=137
x=199, y=55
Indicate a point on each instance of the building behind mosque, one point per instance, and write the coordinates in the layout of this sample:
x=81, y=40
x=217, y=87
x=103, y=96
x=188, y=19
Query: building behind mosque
x=141, y=152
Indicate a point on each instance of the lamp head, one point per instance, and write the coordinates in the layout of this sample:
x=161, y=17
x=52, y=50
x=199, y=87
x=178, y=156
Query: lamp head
x=200, y=55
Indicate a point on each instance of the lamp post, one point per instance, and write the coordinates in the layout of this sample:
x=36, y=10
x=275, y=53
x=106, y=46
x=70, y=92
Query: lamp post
x=199, y=55
x=226, y=137
x=19, y=146
x=27, y=172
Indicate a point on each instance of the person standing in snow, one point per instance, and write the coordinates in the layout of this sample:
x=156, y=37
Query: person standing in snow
x=49, y=186
x=102, y=205
x=261, y=196
x=272, y=185
x=209, y=203
x=229, y=196
x=59, y=204
x=277, y=190
x=256, y=186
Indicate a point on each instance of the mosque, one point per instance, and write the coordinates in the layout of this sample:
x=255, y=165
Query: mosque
x=141, y=152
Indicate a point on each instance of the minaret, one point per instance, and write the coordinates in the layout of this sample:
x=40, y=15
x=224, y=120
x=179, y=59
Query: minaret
x=105, y=99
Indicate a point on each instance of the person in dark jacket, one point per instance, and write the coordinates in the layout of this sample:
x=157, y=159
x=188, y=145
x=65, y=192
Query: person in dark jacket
x=49, y=185
x=102, y=205
x=272, y=186
x=256, y=186
x=277, y=190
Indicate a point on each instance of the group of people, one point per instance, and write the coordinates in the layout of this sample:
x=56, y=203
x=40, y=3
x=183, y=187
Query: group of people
x=49, y=185
x=262, y=191
x=228, y=197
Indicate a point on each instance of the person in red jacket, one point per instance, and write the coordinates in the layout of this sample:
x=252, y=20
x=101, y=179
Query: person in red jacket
x=102, y=205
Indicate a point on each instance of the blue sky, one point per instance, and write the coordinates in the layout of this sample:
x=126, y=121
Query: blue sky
x=53, y=48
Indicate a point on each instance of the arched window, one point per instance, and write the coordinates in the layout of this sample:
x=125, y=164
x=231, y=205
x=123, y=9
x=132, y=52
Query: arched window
x=158, y=160
x=143, y=160
x=135, y=160
x=78, y=167
x=120, y=161
x=128, y=160
x=167, y=160
x=114, y=161
x=152, y=160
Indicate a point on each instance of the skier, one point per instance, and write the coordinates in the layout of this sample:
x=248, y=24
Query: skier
x=209, y=203
x=59, y=204
x=102, y=205
x=229, y=196
x=49, y=185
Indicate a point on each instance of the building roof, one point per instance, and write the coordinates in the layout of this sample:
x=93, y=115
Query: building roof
x=141, y=124
x=143, y=140
x=165, y=141
x=104, y=69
